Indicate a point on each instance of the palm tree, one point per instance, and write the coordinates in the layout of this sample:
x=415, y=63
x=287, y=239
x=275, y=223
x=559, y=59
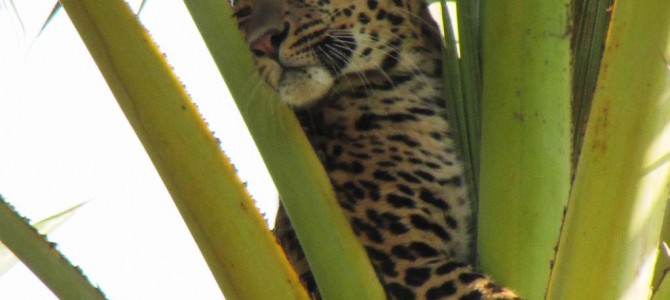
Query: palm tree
x=567, y=144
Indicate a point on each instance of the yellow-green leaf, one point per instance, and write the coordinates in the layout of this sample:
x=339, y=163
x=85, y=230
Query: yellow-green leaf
x=611, y=232
x=40, y=256
x=525, y=145
x=45, y=226
x=339, y=263
x=229, y=230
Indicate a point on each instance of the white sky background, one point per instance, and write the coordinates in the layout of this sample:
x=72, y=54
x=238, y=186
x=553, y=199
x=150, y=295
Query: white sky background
x=64, y=140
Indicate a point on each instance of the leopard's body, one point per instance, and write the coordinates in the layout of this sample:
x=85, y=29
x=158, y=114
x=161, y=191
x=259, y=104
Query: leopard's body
x=364, y=77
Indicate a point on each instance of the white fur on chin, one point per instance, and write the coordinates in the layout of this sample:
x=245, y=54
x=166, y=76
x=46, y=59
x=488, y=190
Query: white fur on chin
x=299, y=87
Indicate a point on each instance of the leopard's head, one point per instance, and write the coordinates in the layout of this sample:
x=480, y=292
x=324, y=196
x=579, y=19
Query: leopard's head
x=304, y=48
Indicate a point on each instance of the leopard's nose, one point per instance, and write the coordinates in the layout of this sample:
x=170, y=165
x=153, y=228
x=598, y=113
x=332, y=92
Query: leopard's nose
x=265, y=27
x=268, y=43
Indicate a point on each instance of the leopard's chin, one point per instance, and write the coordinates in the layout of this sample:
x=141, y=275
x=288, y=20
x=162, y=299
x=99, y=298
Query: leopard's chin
x=301, y=87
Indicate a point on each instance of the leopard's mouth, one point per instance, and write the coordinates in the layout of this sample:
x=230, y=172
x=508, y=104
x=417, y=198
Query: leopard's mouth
x=305, y=82
x=297, y=86
x=303, y=86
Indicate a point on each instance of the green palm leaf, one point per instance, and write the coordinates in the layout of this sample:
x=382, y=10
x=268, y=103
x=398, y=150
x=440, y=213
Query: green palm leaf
x=41, y=257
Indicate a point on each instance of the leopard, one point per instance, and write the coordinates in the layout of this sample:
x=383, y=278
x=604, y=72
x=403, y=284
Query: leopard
x=365, y=80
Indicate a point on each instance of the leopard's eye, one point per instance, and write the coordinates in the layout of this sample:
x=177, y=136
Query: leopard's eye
x=242, y=12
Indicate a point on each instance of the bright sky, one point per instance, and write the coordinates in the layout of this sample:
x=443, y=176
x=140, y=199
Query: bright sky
x=64, y=141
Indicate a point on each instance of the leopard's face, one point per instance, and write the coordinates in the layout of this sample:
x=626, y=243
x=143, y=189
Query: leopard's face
x=304, y=48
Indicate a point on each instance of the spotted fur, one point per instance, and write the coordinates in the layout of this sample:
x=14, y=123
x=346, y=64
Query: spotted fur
x=364, y=77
